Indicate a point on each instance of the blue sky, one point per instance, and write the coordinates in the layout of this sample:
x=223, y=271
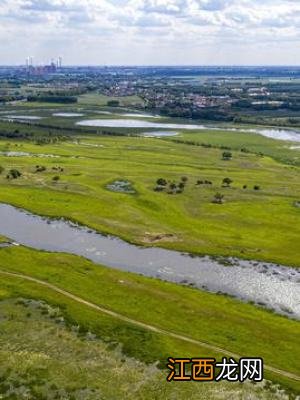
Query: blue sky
x=151, y=32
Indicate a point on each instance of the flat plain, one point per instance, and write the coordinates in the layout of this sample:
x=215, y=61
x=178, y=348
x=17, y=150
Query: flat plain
x=70, y=176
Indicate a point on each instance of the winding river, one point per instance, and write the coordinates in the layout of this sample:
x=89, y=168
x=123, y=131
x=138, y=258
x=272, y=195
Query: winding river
x=273, y=286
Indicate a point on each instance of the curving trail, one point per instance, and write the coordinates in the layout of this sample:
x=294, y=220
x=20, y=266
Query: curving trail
x=142, y=324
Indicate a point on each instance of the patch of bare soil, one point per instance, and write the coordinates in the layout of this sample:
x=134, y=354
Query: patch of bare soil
x=159, y=237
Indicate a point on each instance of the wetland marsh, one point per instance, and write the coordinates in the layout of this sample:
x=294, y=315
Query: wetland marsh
x=144, y=205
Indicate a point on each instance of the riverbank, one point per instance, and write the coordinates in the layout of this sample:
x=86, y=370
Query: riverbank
x=269, y=285
x=227, y=323
x=251, y=224
x=82, y=179
x=67, y=367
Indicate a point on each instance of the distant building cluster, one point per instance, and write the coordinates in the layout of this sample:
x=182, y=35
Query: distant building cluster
x=50, y=68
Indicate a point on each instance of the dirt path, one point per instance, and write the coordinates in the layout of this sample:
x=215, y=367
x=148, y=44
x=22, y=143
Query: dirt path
x=142, y=324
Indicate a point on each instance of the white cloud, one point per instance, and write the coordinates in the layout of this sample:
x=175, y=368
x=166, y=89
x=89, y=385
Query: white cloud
x=151, y=31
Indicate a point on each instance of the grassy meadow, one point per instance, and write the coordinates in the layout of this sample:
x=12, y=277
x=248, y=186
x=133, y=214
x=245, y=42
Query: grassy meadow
x=86, y=354
x=280, y=150
x=59, y=362
x=98, y=99
x=256, y=224
x=227, y=323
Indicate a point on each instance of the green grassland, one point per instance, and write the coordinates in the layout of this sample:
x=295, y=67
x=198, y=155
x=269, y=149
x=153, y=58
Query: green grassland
x=98, y=99
x=261, y=224
x=227, y=323
x=28, y=105
x=236, y=140
x=40, y=353
x=277, y=149
x=55, y=123
x=92, y=99
x=53, y=361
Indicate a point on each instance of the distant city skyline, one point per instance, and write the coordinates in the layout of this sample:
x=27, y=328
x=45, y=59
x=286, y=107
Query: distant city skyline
x=31, y=61
x=151, y=32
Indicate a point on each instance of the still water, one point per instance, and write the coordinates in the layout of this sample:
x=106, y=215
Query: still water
x=279, y=134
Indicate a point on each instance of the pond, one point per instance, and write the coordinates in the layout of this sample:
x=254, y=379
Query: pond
x=121, y=187
x=68, y=115
x=140, y=115
x=279, y=134
x=25, y=154
x=270, y=285
x=160, y=134
x=134, y=123
x=23, y=117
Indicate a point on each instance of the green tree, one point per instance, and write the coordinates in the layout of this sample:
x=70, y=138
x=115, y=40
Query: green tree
x=113, y=103
x=161, y=182
x=227, y=155
x=227, y=181
x=14, y=173
x=218, y=198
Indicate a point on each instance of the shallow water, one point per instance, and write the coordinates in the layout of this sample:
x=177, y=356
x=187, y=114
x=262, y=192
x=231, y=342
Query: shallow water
x=25, y=154
x=139, y=115
x=279, y=134
x=273, y=286
x=89, y=144
x=160, y=134
x=14, y=154
x=27, y=117
x=134, y=123
x=70, y=115
x=121, y=187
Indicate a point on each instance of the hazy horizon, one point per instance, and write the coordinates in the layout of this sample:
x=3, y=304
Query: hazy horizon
x=165, y=65
x=151, y=32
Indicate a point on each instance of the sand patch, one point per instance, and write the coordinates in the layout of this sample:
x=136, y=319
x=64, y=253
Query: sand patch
x=159, y=237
